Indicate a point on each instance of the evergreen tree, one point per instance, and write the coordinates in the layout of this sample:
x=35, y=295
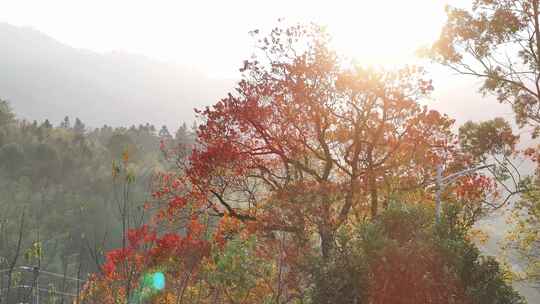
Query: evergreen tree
x=79, y=126
x=6, y=114
x=182, y=133
x=46, y=124
x=65, y=124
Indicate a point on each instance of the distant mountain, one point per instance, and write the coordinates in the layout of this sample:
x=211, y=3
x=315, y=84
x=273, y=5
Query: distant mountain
x=43, y=78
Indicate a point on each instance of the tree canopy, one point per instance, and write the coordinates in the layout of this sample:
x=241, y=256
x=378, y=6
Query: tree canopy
x=287, y=194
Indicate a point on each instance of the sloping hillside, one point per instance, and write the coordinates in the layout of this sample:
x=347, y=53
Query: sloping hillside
x=43, y=78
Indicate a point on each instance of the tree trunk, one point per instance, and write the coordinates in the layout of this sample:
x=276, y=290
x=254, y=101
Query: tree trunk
x=372, y=185
x=327, y=242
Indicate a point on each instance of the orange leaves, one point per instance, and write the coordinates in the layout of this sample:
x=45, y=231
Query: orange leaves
x=293, y=145
x=228, y=226
x=473, y=188
x=305, y=145
x=125, y=157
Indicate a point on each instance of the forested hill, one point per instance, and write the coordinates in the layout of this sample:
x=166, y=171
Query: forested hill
x=57, y=188
x=40, y=75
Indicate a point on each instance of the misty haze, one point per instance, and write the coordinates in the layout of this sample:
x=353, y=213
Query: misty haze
x=270, y=152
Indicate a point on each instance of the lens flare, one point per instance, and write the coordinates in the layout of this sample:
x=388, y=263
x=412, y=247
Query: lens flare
x=158, y=281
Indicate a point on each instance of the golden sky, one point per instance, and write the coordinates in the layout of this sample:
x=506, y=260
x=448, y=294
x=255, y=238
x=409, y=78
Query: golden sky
x=212, y=35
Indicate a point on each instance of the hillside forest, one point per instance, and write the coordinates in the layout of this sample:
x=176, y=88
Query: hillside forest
x=315, y=180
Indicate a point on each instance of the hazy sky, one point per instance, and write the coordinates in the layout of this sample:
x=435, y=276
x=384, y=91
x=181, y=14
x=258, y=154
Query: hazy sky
x=212, y=35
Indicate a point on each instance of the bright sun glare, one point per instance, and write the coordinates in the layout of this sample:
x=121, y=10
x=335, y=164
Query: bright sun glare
x=385, y=32
x=212, y=35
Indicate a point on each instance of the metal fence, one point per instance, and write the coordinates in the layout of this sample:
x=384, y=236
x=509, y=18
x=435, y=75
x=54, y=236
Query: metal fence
x=32, y=285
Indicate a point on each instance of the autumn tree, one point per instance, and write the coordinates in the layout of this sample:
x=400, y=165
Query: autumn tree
x=499, y=42
x=493, y=142
x=307, y=147
x=307, y=143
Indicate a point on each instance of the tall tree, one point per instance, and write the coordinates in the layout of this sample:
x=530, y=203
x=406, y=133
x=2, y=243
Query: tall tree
x=46, y=124
x=306, y=148
x=79, y=127
x=65, y=124
x=307, y=144
x=497, y=41
x=6, y=113
x=182, y=134
x=6, y=118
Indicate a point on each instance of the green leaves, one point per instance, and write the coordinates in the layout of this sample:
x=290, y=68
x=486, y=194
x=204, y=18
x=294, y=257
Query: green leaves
x=34, y=253
x=492, y=137
x=496, y=42
x=6, y=114
x=238, y=265
x=123, y=170
x=403, y=254
x=11, y=157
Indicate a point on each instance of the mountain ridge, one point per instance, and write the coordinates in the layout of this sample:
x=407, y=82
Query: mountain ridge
x=44, y=78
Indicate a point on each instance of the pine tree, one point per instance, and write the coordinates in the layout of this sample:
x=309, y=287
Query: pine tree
x=46, y=124
x=65, y=124
x=79, y=126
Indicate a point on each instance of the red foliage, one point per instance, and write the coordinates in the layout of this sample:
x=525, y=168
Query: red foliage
x=304, y=145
